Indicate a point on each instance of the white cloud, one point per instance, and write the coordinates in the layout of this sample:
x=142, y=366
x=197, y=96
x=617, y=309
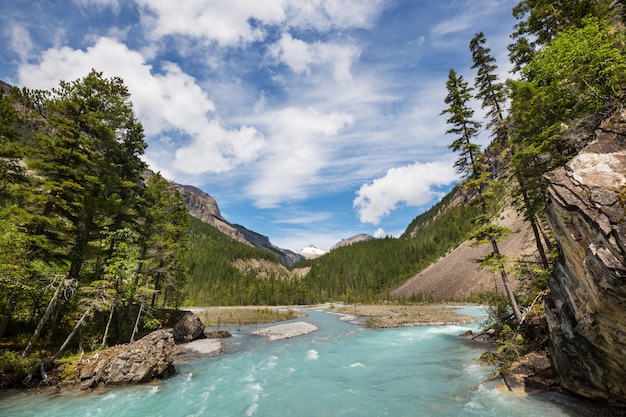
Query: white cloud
x=240, y=22
x=324, y=15
x=301, y=56
x=217, y=149
x=298, y=147
x=229, y=23
x=410, y=184
x=100, y=4
x=171, y=100
x=19, y=40
x=380, y=232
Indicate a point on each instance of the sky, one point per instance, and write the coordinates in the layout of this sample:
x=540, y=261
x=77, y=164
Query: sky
x=308, y=121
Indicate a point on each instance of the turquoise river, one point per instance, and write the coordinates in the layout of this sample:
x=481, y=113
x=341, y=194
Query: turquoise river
x=342, y=369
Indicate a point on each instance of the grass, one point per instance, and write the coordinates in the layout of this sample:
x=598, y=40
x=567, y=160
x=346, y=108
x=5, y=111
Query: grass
x=237, y=316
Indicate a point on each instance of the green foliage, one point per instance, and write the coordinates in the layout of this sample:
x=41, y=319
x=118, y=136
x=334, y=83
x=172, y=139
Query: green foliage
x=541, y=20
x=463, y=127
x=82, y=235
x=580, y=69
x=366, y=271
x=214, y=280
x=14, y=368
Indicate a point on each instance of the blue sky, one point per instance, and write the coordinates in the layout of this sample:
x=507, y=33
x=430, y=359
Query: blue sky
x=308, y=121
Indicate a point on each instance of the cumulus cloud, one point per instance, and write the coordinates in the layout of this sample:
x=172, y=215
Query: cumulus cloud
x=240, y=22
x=301, y=56
x=229, y=23
x=170, y=100
x=217, y=149
x=411, y=185
x=298, y=147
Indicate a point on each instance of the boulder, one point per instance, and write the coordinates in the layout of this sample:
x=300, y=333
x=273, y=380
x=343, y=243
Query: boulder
x=141, y=361
x=188, y=327
x=586, y=308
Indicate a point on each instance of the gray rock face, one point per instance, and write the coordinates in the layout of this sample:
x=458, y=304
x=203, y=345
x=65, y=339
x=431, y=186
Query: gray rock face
x=141, y=361
x=586, y=310
x=188, y=327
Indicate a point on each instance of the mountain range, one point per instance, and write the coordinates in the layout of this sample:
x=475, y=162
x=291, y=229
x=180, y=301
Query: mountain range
x=204, y=207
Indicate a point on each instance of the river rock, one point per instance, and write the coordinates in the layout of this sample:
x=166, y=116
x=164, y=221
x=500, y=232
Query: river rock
x=586, y=308
x=141, y=361
x=188, y=327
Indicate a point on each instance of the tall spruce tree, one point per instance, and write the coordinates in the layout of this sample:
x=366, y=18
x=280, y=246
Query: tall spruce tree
x=86, y=158
x=471, y=164
x=493, y=95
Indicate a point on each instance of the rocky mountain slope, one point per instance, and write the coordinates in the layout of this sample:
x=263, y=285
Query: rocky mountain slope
x=458, y=275
x=586, y=308
x=204, y=207
x=362, y=237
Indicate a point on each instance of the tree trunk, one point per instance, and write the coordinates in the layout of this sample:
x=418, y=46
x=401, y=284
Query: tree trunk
x=507, y=287
x=69, y=338
x=533, y=224
x=44, y=319
x=106, y=330
x=132, y=337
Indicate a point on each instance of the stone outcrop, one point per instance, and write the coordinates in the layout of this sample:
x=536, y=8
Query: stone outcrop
x=142, y=361
x=188, y=327
x=586, y=309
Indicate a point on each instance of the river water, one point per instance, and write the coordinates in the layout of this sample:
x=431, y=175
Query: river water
x=342, y=369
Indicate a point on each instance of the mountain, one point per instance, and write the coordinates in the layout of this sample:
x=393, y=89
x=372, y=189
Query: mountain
x=312, y=252
x=363, y=237
x=204, y=207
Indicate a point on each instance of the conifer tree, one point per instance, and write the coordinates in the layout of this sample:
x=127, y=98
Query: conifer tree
x=472, y=166
x=493, y=95
x=86, y=159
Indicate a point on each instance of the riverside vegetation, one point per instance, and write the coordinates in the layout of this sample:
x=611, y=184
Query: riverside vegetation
x=94, y=251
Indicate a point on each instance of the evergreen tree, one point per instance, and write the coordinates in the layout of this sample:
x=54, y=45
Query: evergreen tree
x=493, y=95
x=86, y=158
x=541, y=20
x=471, y=164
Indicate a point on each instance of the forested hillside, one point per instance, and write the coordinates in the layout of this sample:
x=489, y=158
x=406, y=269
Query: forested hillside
x=216, y=279
x=368, y=271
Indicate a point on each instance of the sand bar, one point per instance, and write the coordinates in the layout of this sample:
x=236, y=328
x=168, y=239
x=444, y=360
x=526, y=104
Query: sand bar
x=203, y=346
x=285, y=331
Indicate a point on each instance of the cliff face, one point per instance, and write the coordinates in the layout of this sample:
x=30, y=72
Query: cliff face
x=204, y=207
x=586, y=309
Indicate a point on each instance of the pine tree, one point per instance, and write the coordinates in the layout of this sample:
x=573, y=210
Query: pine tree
x=493, y=95
x=86, y=159
x=472, y=166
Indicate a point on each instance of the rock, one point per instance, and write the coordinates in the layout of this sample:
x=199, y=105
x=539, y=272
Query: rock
x=586, y=308
x=467, y=335
x=141, y=361
x=188, y=327
x=285, y=331
x=531, y=373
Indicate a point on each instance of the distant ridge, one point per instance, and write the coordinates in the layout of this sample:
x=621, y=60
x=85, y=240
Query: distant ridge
x=362, y=237
x=204, y=207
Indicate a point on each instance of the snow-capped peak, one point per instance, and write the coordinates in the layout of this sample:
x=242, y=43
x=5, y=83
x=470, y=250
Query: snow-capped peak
x=312, y=251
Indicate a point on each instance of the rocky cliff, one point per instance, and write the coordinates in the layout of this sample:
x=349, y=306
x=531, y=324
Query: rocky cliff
x=586, y=309
x=204, y=207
